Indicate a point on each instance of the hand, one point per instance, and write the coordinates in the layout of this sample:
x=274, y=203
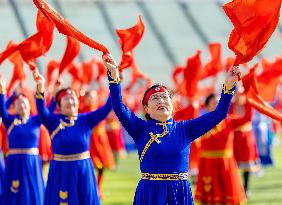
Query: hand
x=39, y=79
x=111, y=65
x=232, y=77
x=2, y=84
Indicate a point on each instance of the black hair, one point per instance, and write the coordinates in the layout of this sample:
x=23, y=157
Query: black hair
x=209, y=98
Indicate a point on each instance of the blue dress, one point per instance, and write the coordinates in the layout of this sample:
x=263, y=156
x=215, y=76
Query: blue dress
x=23, y=180
x=163, y=149
x=71, y=178
x=1, y=173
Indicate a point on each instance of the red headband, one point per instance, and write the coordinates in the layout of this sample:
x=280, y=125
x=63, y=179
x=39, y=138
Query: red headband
x=64, y=93
x=153, y=91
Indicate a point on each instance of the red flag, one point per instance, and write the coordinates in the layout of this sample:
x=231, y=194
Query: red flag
x=215, y=65
x=72, y=50
x=254, y=22
x=65, y=27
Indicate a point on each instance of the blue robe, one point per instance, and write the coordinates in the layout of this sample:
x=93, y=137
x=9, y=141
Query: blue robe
x=23, y=180
x=1, y=173
x=71, y=182
x=168, y=154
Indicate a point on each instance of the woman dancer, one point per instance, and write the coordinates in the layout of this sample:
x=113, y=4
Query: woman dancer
x=163, y=144
x=23, y=181
x=71, y=177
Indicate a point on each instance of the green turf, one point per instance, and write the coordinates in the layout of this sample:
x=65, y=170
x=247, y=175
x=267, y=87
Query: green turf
x=119, y=186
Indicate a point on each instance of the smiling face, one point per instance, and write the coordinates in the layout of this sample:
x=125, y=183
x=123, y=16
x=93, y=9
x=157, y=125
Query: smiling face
x=159, y=106
x=22, y=106
x=69, y=105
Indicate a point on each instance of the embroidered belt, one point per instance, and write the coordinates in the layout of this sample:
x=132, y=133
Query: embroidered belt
x=71, y=157
x=228, y=153
x=30, y=151
x=176, y=176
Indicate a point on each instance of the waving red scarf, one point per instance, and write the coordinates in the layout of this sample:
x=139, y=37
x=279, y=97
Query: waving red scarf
x=11, y=48
x=192, y=74
x=136, y=74
x=18, y=71
x=129, y=39
x=76, y=73
x=126, y=60
x=51, y=67
x=215, y=65
x=178, y=70
x=269, y=79
x=46, y=27
x=87, y=71
x=102, y=70
x=253, y=97
x=72, y=50
x=254, y=22
x=65, y=27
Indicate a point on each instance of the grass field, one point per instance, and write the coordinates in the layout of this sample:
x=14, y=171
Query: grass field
x=119, y=186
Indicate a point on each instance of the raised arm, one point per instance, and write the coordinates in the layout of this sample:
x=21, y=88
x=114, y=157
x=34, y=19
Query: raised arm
x=9, y=100
x=43, y=112
x=128, y=119
x=52, y=106
x=206, y=122
x=6, y=117
x=93, y=118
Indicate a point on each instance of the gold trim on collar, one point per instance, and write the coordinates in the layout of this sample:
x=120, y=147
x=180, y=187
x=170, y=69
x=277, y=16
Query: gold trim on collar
x=30, y=151
x=15, y=123
x=71, y=157
x=62, y=126
x=154, y=137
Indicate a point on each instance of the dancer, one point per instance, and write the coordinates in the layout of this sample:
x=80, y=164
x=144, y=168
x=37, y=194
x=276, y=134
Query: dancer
x=218, y=181
x=71, y=178
x=163, y=144
x=23, y=180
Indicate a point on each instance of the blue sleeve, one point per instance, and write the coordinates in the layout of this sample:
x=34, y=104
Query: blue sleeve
x=43, y=112
x=53, y=105
x=128, y=119
x=4, y=114
x=199, y=126
x=9, y=101
x=95, y=117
